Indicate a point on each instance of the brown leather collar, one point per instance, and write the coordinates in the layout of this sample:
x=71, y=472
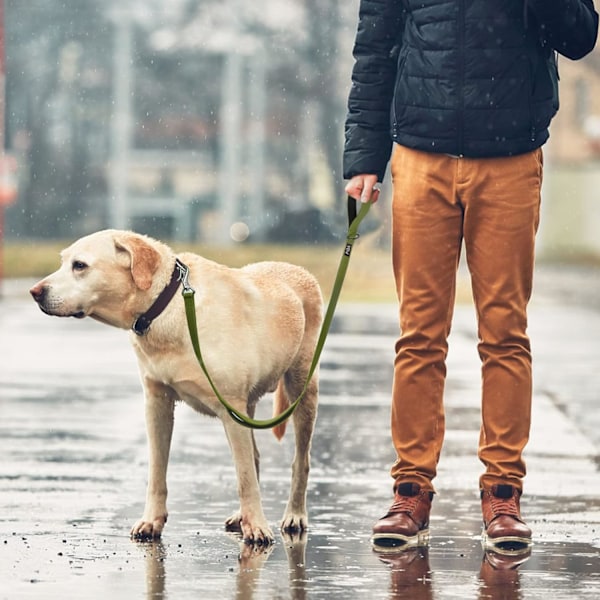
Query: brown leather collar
x=143, y=322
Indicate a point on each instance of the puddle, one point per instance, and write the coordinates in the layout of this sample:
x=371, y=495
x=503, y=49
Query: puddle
x=73, y=473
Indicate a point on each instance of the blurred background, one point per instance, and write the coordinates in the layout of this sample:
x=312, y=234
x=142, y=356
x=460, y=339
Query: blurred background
x=220, y=122
x=179, y=118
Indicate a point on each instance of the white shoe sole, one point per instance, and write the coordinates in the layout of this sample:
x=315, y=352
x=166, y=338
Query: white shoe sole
x=396, y=542
x=509, y=545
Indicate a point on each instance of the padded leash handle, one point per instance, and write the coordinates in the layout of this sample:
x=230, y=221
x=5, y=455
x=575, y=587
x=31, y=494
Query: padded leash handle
x=354, y=219
x=352, y=214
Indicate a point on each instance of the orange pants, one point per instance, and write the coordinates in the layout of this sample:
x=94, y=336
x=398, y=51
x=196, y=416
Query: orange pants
x=493, y=205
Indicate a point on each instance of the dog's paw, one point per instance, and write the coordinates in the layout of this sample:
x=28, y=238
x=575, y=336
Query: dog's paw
x=294, y=523
x=145, y=530
x=234, y=522
x=253, y=530
x=256, y=533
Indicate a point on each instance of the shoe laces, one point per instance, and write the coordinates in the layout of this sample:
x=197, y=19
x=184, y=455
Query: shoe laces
x=405, y=504
x=504, y=506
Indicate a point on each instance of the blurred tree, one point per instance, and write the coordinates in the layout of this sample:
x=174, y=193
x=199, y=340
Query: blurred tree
x=59, y=94
x=58, y=74
x=325, y=24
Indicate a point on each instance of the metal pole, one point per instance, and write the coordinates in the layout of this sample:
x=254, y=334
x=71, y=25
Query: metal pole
x=256, y=142
x=121, y=120
x=229, y=163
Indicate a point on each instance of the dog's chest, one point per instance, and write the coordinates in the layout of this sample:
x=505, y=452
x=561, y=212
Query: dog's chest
x=160, y=363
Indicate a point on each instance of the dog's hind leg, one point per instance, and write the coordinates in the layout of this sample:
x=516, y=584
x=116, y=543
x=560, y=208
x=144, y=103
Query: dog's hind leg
x=295, y=517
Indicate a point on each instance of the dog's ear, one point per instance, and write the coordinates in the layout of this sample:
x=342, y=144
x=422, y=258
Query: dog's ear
x=143, y=259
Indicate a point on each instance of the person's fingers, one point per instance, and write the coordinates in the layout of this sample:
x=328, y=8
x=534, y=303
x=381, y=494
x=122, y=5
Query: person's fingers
x=375, y=194
x=364, y=188
x=354, y=187
x=371, y=193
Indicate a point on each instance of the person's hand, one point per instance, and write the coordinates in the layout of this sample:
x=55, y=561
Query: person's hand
x=364, y=188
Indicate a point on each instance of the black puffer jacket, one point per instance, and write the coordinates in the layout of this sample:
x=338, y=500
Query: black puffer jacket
x=463, y=77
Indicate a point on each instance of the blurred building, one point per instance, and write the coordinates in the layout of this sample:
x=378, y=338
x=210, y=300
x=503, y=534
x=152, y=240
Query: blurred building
x=570, y=222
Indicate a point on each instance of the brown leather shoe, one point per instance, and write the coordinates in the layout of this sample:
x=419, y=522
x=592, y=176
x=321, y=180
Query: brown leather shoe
x=503, y=529
x=406, y=524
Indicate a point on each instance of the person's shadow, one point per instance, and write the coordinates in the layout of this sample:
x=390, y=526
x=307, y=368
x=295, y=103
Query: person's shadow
x=499, y=577
x=411, y=575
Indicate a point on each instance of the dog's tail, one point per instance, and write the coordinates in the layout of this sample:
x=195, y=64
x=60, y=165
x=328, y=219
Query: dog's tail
x=281, y=402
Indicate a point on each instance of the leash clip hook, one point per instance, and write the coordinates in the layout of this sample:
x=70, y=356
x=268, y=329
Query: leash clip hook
x=184, y=274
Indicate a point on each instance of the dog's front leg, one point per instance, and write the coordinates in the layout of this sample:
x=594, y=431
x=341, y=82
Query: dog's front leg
x=160, y=405
x=252, y=521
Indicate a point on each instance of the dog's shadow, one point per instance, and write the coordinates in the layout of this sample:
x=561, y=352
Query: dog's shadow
x=155, y=555
x=251, y=560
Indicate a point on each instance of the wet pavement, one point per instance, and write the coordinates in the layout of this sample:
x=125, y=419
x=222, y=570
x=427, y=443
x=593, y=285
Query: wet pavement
x=73, y=471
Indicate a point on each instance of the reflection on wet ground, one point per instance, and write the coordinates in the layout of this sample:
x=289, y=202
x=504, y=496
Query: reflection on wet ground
x=73, y=471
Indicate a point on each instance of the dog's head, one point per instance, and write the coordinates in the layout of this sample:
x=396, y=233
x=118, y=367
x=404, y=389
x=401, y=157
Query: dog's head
x=105, y=275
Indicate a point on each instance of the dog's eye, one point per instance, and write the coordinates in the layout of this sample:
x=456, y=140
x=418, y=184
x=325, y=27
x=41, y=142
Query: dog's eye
x=78, y=265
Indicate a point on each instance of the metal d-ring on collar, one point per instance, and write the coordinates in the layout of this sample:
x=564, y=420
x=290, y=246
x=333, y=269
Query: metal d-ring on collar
x=180, y=274
x=354, y=220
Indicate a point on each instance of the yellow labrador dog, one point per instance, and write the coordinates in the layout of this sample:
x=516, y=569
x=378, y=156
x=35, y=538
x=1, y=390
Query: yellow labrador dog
x=258, y=327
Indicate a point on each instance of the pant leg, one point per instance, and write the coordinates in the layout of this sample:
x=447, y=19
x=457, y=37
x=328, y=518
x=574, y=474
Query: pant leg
x=426, y=241
x=501, y=198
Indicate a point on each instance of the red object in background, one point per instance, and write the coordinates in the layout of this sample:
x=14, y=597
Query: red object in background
x=8, y=198
x=8, y=180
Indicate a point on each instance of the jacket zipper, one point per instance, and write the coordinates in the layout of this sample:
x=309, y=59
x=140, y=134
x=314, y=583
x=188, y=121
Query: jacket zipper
x=461, y=76
x=531, y=71
x=399, y=68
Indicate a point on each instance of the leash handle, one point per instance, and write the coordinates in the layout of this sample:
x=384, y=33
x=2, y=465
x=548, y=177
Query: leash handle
x=354, y=219
x=351, y=210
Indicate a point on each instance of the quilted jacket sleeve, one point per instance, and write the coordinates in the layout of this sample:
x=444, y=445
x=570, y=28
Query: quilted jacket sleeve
x=569, y=26
x=368, y=142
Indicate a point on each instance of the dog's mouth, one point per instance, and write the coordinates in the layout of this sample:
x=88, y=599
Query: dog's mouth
x=53, y=312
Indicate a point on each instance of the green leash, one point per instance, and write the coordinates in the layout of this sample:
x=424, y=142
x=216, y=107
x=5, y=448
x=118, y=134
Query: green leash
x=190, y=311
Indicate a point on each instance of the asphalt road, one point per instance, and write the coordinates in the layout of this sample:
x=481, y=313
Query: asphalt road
x=73, y=470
